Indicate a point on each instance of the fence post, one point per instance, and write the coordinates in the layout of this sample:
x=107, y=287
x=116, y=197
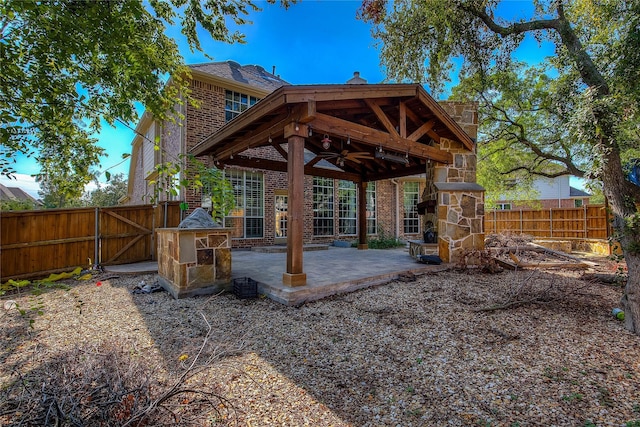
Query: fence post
x=164, y=222
x=495, y=222
x=153, y=231
x=521, y=223
x=584, y=211
x=96, y=245
x=550, y=222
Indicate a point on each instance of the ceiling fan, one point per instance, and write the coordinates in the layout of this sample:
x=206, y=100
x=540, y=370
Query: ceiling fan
x=353, y=156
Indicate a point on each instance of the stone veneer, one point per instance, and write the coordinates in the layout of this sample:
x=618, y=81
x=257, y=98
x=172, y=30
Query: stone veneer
x=460, y=201
x=460, y=219
x=194, y=261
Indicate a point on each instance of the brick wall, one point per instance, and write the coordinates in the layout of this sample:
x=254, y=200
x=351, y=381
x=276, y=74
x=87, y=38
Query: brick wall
x=200, y=122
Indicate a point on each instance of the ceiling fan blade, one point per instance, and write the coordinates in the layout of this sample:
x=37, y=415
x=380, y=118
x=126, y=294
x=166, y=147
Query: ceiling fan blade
x=328, y=154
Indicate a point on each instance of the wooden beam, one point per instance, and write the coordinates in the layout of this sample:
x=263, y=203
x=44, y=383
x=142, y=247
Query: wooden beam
x=295, y=94
x=221, y=148
x=414, y=117
x=382, y=117
x=272, y=102
x=402, y=123
x=280, y=150
x=446, y=119
x=279, y=166
x=418, y=133
x=377, y=138
x=294, y=276
x=294, y=128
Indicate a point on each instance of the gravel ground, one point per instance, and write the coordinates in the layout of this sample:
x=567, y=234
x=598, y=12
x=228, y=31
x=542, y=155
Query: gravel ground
x=433, y=352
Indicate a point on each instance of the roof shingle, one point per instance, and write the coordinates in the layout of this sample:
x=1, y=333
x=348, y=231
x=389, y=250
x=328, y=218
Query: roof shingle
x=253, y=75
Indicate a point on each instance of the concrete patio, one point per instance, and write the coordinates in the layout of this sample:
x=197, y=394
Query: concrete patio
x=329, y=272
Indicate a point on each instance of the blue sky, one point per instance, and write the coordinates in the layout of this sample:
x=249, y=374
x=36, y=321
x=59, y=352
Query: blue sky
x=313, y=42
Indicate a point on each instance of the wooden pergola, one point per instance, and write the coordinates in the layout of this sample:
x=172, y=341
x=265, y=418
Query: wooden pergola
x=368, y=132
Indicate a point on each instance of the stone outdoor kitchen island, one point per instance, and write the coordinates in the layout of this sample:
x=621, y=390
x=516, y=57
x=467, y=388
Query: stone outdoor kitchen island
x=194, y=261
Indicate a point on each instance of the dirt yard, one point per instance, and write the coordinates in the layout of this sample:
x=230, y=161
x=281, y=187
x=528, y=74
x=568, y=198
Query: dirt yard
x=437, y=351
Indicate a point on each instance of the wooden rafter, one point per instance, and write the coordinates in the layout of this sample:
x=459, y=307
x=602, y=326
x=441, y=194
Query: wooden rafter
x=279, y=166
x=379, y=138
x=382, y=117
x=418, y=133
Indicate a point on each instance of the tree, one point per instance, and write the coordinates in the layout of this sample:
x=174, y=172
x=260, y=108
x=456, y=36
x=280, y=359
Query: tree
x=18, y=205
x=68, y=65
x=523, y=130
x=596, y=45
x=108, y=195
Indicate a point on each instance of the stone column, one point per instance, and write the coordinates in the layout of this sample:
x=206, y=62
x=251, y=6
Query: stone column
x=460, y=198
x=460, y=219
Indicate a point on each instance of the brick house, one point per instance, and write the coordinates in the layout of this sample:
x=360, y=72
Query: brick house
x=551, y=193
x=333, y=204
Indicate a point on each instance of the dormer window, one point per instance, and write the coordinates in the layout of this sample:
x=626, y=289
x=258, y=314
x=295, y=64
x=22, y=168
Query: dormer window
x=236, y=102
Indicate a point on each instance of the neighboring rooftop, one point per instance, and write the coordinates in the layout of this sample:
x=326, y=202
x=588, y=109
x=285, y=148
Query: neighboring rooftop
x=575, y=192
x=253, y=75
x=15, y=193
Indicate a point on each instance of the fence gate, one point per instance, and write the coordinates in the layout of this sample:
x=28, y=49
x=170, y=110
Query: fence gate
x=36, y=243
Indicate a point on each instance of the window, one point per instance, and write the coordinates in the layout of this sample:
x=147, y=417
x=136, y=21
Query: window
x=372, y=226
x=578, y=203
x=235, y=103
x=322, y=206
x=411, y=219
x=347, y=207
x=503, y=206
x=247, y=218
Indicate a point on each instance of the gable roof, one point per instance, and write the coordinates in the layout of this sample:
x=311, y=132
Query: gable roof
x=16, y=193
x=576, y=192
x=252, y=75
x=393, y=130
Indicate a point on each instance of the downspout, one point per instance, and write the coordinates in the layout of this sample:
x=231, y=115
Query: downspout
x=397, y=221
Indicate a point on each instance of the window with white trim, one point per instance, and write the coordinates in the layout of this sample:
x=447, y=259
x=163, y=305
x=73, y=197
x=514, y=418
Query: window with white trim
x=323, y=216
x=372, y=225
x=347, y=207
x=236, y=102
x=411, y=218
x=247, y=217
x=503, y=206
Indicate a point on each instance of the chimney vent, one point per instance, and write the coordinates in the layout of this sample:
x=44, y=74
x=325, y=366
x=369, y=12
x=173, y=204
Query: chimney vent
x=356, y=79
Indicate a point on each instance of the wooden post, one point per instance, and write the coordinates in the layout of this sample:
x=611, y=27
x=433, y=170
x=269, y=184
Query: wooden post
x=362, y=216
x=294, y=276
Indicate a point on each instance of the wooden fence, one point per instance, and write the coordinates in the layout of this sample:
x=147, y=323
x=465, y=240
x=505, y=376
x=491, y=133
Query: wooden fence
x=36, y=243
x=588, y=222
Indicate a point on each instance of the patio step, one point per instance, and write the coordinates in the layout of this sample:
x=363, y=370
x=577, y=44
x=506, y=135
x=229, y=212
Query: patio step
x=283, y=248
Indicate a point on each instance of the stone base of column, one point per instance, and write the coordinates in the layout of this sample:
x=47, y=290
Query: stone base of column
x=298, y=279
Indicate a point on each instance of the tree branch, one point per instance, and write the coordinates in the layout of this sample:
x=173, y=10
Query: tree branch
x=513, y=29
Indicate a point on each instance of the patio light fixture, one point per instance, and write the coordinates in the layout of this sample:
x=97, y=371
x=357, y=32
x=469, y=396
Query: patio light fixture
x=326, y=142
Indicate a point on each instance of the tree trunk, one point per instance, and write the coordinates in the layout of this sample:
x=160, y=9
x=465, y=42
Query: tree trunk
x=622, y=207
